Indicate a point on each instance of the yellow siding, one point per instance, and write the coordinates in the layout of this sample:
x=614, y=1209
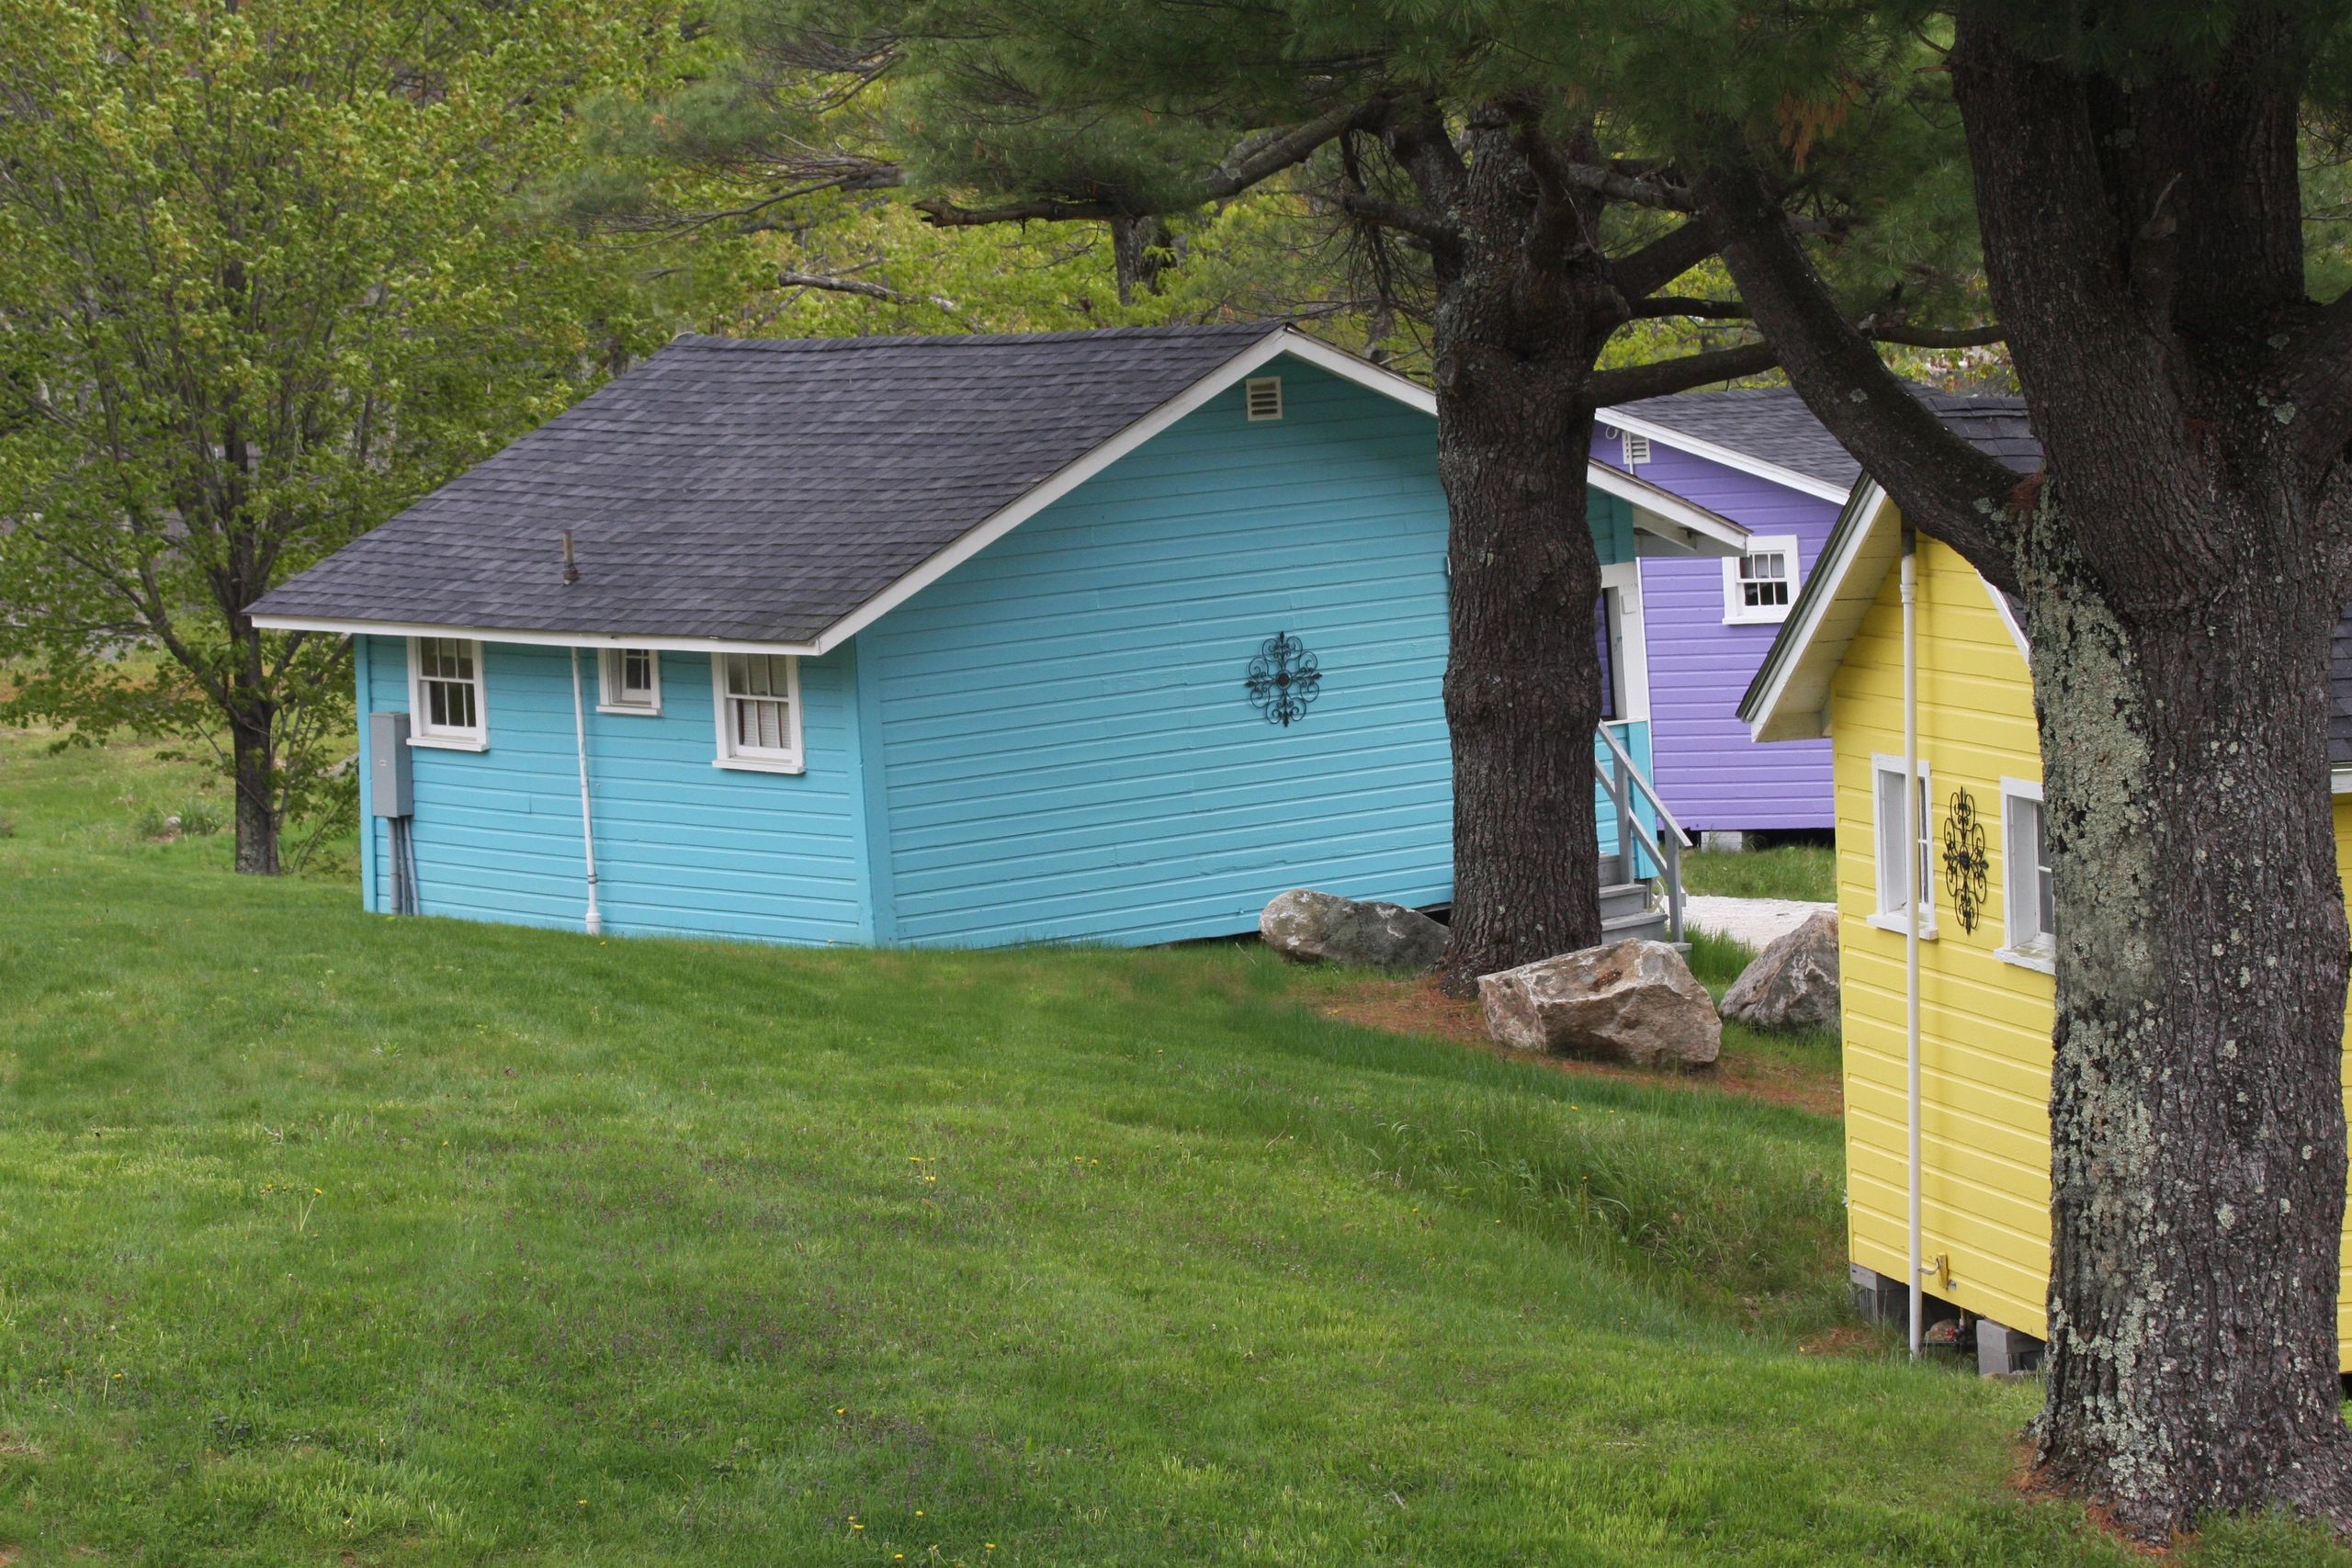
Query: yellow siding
x=1985, y=1022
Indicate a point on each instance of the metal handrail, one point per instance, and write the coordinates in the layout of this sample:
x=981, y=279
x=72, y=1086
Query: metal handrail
x=1620, y=776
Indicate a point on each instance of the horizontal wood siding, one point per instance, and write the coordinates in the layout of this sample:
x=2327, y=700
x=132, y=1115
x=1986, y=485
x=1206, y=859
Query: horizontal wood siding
x=1711, y=774
x=1069, y=751
x=683, y=847
x=1985, y=1022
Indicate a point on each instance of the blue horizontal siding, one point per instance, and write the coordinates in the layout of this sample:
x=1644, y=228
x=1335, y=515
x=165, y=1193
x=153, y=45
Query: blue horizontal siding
x=683, y=848
x=1068, y=750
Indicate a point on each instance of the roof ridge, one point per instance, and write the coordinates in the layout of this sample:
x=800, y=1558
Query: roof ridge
x=977, y=340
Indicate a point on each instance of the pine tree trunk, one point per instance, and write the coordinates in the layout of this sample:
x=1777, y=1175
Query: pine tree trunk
x=2197, y=1128
x=1516, y=338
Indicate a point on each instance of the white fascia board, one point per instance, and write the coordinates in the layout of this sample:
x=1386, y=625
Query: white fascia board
x=2339, y=781
x=1800, y=647
x=1273, y=346
x=2009, y=618
x=1685, y=525
x=1729, y=457
x=532, y=639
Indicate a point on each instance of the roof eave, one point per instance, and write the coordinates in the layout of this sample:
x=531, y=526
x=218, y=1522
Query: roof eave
x=1729, y=457
x=1789, y=697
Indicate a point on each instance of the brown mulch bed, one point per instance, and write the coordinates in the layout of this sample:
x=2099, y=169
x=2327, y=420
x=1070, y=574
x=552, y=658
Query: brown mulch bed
x=1417, y=1007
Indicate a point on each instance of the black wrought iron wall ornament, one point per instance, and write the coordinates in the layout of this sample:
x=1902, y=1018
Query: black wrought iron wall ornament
x=1964, y=860
x=1284, y=679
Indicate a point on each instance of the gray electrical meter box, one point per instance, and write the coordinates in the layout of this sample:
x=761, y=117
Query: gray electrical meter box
x=389, y=791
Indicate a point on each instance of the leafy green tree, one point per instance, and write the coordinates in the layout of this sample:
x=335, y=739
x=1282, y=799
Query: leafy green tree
x=269, y=275
x=1491, y=212
x=2160, y=192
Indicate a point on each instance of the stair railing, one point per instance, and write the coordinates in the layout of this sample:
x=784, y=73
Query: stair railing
x=1621, y=779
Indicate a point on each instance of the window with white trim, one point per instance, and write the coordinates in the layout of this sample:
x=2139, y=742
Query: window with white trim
x=445, y=695
x=628, y=680
x=2029, y=891
x=1898, y=872
x=758, y=697
x=1760, y=585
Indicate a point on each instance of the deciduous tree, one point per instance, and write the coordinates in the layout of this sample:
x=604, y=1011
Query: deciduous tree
x=267, y=277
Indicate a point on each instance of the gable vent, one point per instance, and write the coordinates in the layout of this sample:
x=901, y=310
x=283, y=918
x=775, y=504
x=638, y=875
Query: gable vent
x=1637, y=449
x=1263, y=397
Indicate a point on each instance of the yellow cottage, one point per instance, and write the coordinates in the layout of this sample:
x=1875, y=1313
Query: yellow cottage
x=1985, y=988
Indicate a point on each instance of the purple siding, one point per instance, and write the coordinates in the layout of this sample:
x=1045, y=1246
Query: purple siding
x=1711, y=774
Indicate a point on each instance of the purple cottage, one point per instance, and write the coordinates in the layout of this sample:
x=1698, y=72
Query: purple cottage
x=1760, y=458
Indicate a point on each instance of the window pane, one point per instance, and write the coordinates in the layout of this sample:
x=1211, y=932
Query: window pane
x=636, y=674
x=1893, y=893
x=2045, y=883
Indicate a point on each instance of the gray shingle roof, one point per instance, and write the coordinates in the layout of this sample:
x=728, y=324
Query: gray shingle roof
x=756, y=489
x=1768, y=422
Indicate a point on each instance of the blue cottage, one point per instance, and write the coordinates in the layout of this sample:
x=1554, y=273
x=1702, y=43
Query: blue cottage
x=1102, y=637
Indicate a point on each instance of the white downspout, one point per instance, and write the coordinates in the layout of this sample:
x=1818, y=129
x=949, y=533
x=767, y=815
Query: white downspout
x=595, y=923
x=1912, y=831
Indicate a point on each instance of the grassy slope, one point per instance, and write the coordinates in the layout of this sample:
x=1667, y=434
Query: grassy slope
x=416, y=1242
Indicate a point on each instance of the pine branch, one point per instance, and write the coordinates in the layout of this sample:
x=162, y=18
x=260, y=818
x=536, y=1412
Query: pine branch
x=789, y=278
x=1607, y=389
x=1685, y=305
x=1943, y=484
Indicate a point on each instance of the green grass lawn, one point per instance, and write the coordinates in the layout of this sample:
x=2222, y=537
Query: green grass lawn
x=330, y=1238
x=1786, y=871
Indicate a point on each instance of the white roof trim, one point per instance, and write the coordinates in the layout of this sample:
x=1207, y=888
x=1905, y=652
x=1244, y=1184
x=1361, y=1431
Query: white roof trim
x=1657, y=510
x=2009, y=618
x=1775, y=714
x=2339, y=781
x=1726, y=456
x=535, y=639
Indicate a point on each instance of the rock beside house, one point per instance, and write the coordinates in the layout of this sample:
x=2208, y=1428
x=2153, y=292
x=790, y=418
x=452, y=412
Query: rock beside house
x=1323, y=928
x=1632, y=1001
x=1792, y=984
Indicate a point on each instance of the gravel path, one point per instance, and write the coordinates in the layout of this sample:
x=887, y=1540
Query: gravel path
x=1756, y=921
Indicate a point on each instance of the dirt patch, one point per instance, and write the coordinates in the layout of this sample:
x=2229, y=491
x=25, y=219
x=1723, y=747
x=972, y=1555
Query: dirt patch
x=1850, y=1339
x=1417, y=1007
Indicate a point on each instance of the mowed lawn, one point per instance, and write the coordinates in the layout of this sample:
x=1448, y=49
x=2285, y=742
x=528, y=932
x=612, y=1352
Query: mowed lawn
x=330, y=1238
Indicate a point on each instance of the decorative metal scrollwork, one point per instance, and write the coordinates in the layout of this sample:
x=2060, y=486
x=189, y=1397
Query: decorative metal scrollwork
x=1964, y=859
x=1283, y=680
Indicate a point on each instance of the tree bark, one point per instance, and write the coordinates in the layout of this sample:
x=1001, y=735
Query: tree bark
x=1520, y=323
x=2198, y=1154
x=253, y=752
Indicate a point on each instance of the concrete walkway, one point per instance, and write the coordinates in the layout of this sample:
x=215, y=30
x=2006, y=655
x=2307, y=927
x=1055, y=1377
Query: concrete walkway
x=1756, y=921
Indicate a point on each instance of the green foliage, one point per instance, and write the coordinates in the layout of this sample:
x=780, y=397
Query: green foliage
x=433, y=1243
x=270, y=276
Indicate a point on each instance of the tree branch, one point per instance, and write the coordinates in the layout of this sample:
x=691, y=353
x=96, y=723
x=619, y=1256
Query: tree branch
x=1618, y=186
x=1415, y=220
x=1664, y=259
x=791, y=279
x=1937, y=337
x=1229, y=179
x=1607, y=389
x=1943, y=484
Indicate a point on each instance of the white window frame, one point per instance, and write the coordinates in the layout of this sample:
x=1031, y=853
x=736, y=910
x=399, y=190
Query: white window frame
x=788, y=758
x=1738, y=612
x=2022, y=893
x=422, y=730
x=1892, y=914
x=611, y=696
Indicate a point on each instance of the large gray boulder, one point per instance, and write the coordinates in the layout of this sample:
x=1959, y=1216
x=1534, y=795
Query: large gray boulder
x=1791, y=984
x=1323, y=928
x=1632, y=1001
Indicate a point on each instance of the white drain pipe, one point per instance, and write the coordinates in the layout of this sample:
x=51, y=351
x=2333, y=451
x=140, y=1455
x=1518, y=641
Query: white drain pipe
x=1914, y=835
x=595, y=921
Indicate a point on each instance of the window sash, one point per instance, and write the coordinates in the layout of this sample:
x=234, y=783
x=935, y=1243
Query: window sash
x=2030, y=885
x=629, y=678
x=1760, y=583
x=1893, y=896
x=758, y=717
x=447, y=703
